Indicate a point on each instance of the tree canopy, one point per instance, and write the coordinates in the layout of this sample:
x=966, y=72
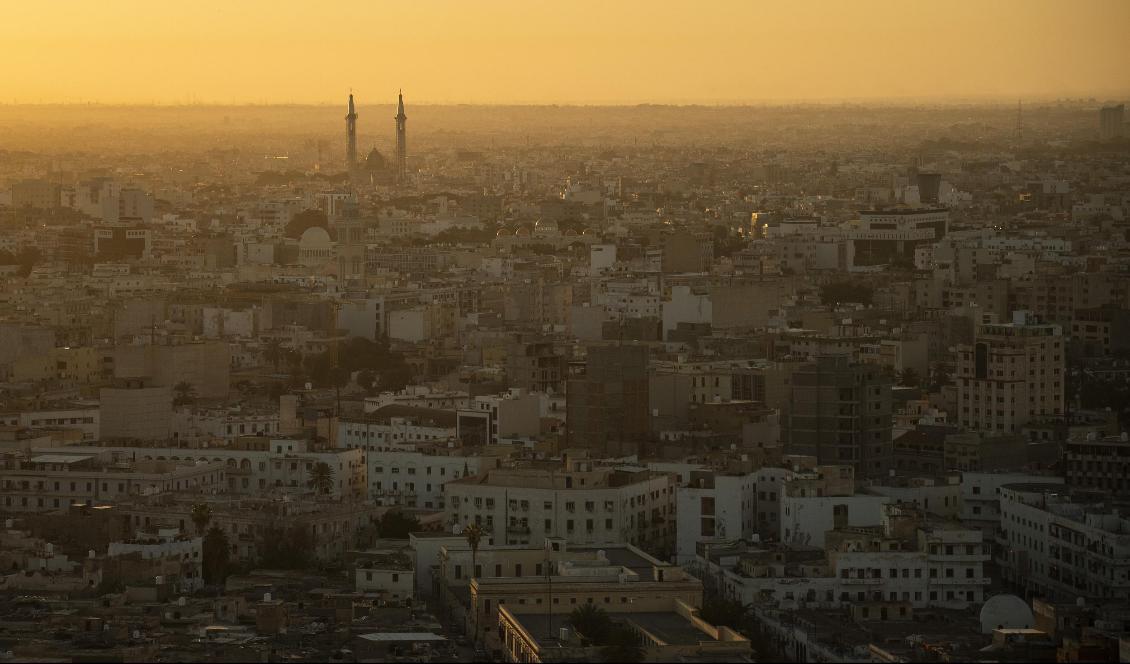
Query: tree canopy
x=283, y=547
x=838, y=292
x=305, y=220
x=358, y=354
x=395, y=524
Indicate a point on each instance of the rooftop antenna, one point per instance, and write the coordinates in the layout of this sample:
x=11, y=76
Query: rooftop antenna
x=1019, y=121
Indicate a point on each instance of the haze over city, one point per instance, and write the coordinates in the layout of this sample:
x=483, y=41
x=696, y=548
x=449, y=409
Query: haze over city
x=601, y=332
x=586, y=52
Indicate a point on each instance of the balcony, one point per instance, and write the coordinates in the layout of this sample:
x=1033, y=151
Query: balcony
x=862, y=582
x=981, y=581
x=958, y=558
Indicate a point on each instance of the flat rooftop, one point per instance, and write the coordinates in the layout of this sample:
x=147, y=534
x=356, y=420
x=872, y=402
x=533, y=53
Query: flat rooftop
x=669, y=627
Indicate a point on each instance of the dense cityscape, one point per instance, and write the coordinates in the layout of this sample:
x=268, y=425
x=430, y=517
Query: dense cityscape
x=380, y=381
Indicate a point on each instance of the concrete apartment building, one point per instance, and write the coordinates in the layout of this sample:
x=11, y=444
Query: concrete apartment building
x=1098, y=463
x=1055, y=544
x=507, y=586
x=714, y=507
x=135, y=408
x=904, y=557
x=606, y=400
x=206, y=365
x=580, y=502
x=840, y=413
x=260, y=464
x=490, y=419
x=81, y=417
x=1011, y=375
x=333, y=525
x=57, y=478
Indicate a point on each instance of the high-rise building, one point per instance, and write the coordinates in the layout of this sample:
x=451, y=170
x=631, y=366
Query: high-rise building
x=606, y=400
x=401, y=142
x=840, y=412
x=1012, y=374
x=351, y=137
x=1112, y=121
x=38, y=194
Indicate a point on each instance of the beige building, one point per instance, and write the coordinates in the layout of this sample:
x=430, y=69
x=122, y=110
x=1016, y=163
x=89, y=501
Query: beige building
x=556, y=578
x=56, y=479
x=669, y=631
x=1011, y=375
x=136, y=409
x=81, y=365
x=579, y=503
x=205, y=365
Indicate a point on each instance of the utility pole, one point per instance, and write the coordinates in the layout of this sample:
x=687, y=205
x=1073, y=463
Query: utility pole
x=1019, y=121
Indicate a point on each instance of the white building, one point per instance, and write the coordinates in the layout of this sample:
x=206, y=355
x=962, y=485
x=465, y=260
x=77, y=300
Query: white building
x=282, y=466
x=168, y=543
x=579, y=503
x=490, y=419
x=714, y=506
x=83, y=418
x=1051, y=546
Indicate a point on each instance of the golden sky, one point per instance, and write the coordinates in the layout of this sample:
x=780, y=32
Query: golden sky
x=579, y=51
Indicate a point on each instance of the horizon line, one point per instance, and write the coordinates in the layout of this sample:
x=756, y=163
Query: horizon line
x=896, y=100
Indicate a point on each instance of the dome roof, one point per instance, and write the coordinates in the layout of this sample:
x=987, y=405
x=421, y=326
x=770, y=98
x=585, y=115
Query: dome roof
x=315, y=236
x=1007, y=611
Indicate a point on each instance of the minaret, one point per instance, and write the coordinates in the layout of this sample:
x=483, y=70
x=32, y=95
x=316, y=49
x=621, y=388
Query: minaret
x=401, y=143
x=351, y=137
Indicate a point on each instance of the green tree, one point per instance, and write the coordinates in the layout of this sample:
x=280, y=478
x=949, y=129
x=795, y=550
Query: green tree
x=474, y=534
x=621, y=644
x=321, y=478
x=939, y=377
x=358, y=354
x=837, y=292
x=273, y=353
x=722, y=612
x=304, y=220
x=286, y=548
x=591, y=623
x=217, y=552
x=185, y=393
x=395, y=524
x=201, y=514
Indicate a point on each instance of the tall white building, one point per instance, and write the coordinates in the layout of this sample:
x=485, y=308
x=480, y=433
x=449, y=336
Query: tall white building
x=714, y=507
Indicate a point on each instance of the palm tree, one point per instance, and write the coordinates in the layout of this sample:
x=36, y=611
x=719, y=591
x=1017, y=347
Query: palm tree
x=322, y=477
x=201, y=515
x=273, y=353
x=622, y=644
x=908, y=377
x=474, y=535
x=591, y=622
x=185, y=393
x=217, y=551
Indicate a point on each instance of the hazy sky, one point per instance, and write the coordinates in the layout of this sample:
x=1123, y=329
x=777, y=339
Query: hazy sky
x=578, y=51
